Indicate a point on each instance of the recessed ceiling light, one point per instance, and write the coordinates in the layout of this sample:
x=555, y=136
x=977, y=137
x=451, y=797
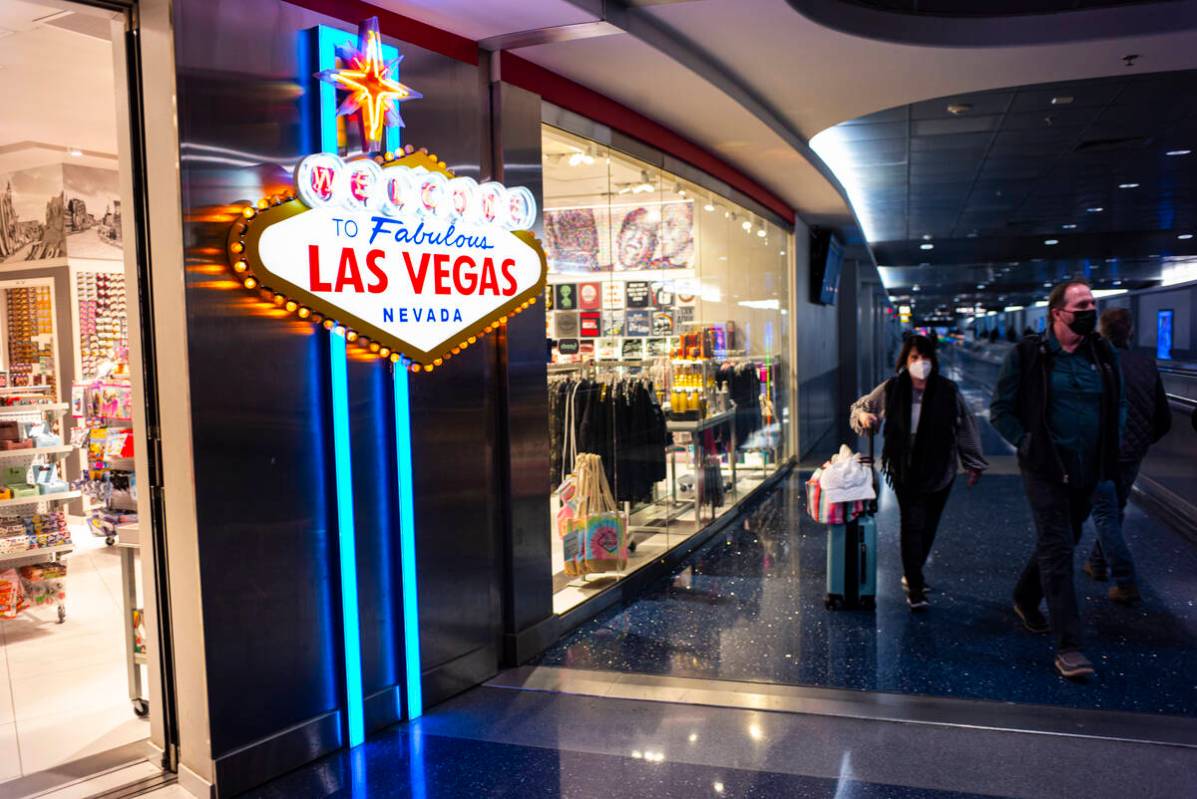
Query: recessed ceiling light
x=1051, y=242
x=1047, y=285
x=926, y=246
x=761, y=232
x=1185, y=236
x=980, y=285
x=708, y=207
x=926, y=237
x=746, y=225
x=1179, y=152
x=1097, y=209
x=915, y=287
x=1128, y=185
x=1117, y=282
x=783, y=252
x=74, y=152
x=1063, y=99
x=1069, y=227
x=956, y=109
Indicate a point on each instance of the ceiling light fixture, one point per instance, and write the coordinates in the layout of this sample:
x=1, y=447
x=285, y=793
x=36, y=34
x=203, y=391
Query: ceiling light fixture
x=1051, y=242
x=708, y=207
x=926, y=246
x=1097, y=209
x=1063, y=99
x=746, y=225
x=1069, y=227
x=956, y=109
x=1185, y=236
x=926, y=237
x=1178, y=152
x=980, y=285
x=1128, y=185
x=74, y=152
x=760, y=232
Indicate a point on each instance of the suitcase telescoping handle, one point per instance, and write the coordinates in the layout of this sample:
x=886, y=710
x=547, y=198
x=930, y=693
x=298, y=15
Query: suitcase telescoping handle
x=871, y=505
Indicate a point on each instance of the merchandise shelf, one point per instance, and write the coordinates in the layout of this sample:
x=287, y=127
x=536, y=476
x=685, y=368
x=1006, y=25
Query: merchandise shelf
x=14, y=454
x=35, y=555
x=40, y=407
x=60, y=496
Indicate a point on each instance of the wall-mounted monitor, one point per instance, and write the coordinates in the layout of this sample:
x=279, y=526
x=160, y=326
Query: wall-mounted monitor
x=1163, y=334
x=826, y=260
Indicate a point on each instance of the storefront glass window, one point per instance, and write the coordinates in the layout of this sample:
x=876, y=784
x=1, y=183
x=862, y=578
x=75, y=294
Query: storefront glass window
x=667, y=318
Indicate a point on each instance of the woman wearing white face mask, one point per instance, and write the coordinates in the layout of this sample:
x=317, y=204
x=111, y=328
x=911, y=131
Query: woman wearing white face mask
x=928, y=426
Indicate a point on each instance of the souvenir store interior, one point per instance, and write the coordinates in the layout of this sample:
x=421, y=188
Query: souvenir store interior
x=72, y=648
x=666, y=312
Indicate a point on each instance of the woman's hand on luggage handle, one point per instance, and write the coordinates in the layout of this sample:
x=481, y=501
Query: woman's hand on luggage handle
x=868, y=420
x=973, y=476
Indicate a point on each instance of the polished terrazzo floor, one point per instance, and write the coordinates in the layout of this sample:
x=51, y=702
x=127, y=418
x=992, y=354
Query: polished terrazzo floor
x=749, y=607
x=494, y=742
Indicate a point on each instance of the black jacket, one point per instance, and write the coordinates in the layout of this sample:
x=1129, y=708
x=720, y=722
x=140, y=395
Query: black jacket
x=1148, y=417
x=1019, y=410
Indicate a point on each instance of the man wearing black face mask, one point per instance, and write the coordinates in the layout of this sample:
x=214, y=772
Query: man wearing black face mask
x=1059, y=400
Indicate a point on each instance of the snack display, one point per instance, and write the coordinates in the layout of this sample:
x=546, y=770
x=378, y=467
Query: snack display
x=44, y=583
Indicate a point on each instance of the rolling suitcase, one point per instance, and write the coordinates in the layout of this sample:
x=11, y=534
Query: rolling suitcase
x=852, y=557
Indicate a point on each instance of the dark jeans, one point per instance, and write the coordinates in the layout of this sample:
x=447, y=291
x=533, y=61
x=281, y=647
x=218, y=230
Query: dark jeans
x=1059, y=510
x=1109, y=509
x=920, y=519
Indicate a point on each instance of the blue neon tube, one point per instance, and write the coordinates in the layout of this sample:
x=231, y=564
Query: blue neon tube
x=339, y=382
x=407, y=545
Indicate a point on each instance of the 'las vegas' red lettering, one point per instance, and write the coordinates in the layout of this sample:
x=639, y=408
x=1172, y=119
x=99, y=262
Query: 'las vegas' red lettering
x=440, y=265
x=314, y=281
x=417, y=276
x=372, y=259
x=490, y=283
x=506, y=267
x=470, y=282
x=348, y=272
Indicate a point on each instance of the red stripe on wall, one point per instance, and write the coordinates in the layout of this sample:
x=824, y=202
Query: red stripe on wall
x=581, y=100
x=556, y=89
x=418, y=33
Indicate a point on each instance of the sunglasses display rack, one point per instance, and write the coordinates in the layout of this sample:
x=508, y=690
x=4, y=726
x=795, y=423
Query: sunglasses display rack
x=34, y=535
x=30, y=314
x=103, y=322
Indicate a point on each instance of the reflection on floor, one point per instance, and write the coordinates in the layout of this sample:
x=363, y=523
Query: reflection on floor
x=63, y=688
x=513, y=744
x=749, y=607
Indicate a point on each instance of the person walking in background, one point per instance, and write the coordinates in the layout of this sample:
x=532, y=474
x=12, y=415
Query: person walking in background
x=927, y=427
x=1059, y=400
x=1148, y=419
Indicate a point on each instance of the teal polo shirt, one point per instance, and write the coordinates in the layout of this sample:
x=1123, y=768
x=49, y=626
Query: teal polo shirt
x=1074, y=415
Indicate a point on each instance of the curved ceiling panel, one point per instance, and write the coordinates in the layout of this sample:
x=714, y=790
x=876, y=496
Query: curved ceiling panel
x=1012, y=187
x=994, y=23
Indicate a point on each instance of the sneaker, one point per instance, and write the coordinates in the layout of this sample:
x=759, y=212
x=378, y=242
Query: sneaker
x=1032, y=619
x=906, y=587
x=1097, y=571
x=1073, y=665
x=1125, y=594
x=917, y=601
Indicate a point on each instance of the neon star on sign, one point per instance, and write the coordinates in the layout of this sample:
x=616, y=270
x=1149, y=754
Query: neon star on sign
x=398, y=253
x=374, y=94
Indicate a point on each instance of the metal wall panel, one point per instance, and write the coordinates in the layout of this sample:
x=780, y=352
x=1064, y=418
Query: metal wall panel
x=260, y=413
x=529, y=588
